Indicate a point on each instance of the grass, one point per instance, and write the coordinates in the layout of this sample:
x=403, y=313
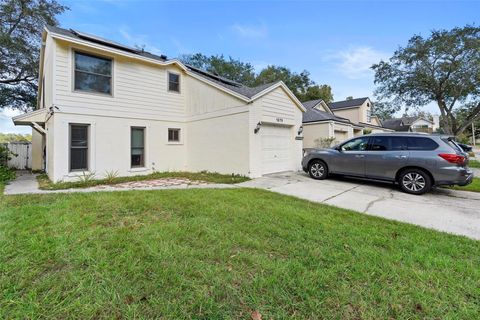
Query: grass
x=474, y=164
x=88, y=181
x=473, y=187
x=222, y=254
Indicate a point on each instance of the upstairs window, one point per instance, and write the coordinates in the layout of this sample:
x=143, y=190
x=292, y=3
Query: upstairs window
x=137, y=146
x=173, y=82
x=173, y=135
x=369, y=116
x=93, y=74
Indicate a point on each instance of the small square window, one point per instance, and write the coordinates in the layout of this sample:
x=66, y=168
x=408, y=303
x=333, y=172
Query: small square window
x=173, y=82
x=173, y=135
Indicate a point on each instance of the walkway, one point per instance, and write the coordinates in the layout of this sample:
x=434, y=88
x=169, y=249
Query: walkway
x=26, y=183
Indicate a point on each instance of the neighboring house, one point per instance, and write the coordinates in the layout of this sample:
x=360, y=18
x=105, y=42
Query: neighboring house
x=411, y=124
x=339, y=120
x=321, y=124
x=359, y=112
x=106, y=107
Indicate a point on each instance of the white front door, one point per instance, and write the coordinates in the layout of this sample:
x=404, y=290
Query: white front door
x=277, y=144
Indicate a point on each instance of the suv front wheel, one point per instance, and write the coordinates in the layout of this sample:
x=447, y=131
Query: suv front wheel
x=318, y=170
x=415, y=181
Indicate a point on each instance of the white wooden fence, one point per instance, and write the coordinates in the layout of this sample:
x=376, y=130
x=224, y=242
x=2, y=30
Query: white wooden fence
x=23, y=158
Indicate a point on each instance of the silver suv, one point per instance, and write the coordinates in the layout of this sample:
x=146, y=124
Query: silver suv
x=413, y=160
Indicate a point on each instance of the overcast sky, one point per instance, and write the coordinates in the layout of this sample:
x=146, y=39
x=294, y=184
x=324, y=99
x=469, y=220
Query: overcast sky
x=336, y=41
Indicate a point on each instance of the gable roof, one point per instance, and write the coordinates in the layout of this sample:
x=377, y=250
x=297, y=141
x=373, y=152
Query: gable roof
x=232, y=85
x=241, y=91
x=347, y=103
x=401, y=124
x=313, y=115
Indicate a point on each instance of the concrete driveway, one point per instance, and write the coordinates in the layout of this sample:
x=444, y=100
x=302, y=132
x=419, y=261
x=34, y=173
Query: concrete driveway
x=456, y=212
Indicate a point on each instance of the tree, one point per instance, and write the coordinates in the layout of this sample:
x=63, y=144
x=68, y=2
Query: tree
x=230, y=68
x=315, y=92
x=21, y=24
x=349, y=98
x=297, y=82
x=243, y=72
x=14, y=137
x=383, y=110
x=443, y=68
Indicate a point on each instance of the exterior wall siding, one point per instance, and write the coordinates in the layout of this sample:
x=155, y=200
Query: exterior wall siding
x=139, y=89
x=314, y=132
x=109, y=146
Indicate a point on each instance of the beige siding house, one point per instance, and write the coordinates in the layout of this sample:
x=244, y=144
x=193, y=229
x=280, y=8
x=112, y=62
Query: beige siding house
x=106, y=107
x=338, y=121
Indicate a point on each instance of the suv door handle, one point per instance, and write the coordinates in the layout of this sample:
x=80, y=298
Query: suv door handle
x=359, y=156
x=401, y=157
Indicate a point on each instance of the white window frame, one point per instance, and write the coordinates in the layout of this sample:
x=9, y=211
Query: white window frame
x=87, y=169
x=74, y=52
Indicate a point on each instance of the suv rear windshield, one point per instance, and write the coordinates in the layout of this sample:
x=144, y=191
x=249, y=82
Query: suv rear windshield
x=421, y=143
x=453, y=144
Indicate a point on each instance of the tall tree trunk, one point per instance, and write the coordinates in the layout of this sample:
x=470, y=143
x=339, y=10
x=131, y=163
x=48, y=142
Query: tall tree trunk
x=445, y=119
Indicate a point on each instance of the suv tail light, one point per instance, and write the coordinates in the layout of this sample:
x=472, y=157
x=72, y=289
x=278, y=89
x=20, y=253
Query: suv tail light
x=452, y=157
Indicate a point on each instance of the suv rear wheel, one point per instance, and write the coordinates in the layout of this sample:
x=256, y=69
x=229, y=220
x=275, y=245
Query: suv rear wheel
x=318, y=170
x=415, y=181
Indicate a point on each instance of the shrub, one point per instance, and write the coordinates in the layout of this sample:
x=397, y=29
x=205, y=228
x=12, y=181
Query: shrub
x=324, y=142
x=110, y=176
x=6, y=174
x=5, y=155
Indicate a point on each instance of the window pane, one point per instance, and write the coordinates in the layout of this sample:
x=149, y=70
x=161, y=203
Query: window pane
x=398, y=143
x=78, y=159
x=91, y=82
x=379, y=143
x=421, y=144
x=174, y=135
x=137, y=157
x=137, y=138
x=79, y=136
x=137, y=147
x=93, y=64
x=173, y=82
x=359, y=144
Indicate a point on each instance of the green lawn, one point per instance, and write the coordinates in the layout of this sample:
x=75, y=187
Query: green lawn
x=474, y=164
x=221, y=254
x=86, y=181
x=474, y=186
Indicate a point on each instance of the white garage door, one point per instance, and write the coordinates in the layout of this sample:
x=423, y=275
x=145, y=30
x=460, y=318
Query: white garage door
x=276, y=148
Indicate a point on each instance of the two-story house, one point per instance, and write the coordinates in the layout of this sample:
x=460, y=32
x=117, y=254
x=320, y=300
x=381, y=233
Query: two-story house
x=413, y=124
x=105, y=107
x=338, y=120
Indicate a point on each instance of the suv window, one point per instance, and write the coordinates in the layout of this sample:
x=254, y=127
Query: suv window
x=359, y=144
x=384, y=143
x=379, y=143
x=420, y=143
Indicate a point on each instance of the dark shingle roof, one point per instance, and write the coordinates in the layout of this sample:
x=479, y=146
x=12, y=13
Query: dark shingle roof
x=232, y=85
x=248, y=92
x=312, y=115
x=400, y=124
x=112, y=44
x=347, y=103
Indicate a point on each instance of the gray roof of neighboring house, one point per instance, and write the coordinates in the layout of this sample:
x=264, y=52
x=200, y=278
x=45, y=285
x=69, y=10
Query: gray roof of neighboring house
x=312, y=115
x=243, y=90
x=347, y=103
x=400, y=124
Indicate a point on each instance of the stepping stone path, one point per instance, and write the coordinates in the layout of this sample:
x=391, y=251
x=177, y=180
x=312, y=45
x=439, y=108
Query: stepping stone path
x=166, y=182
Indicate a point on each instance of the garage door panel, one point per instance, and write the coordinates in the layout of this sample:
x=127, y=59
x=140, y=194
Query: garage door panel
x=276, y=148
